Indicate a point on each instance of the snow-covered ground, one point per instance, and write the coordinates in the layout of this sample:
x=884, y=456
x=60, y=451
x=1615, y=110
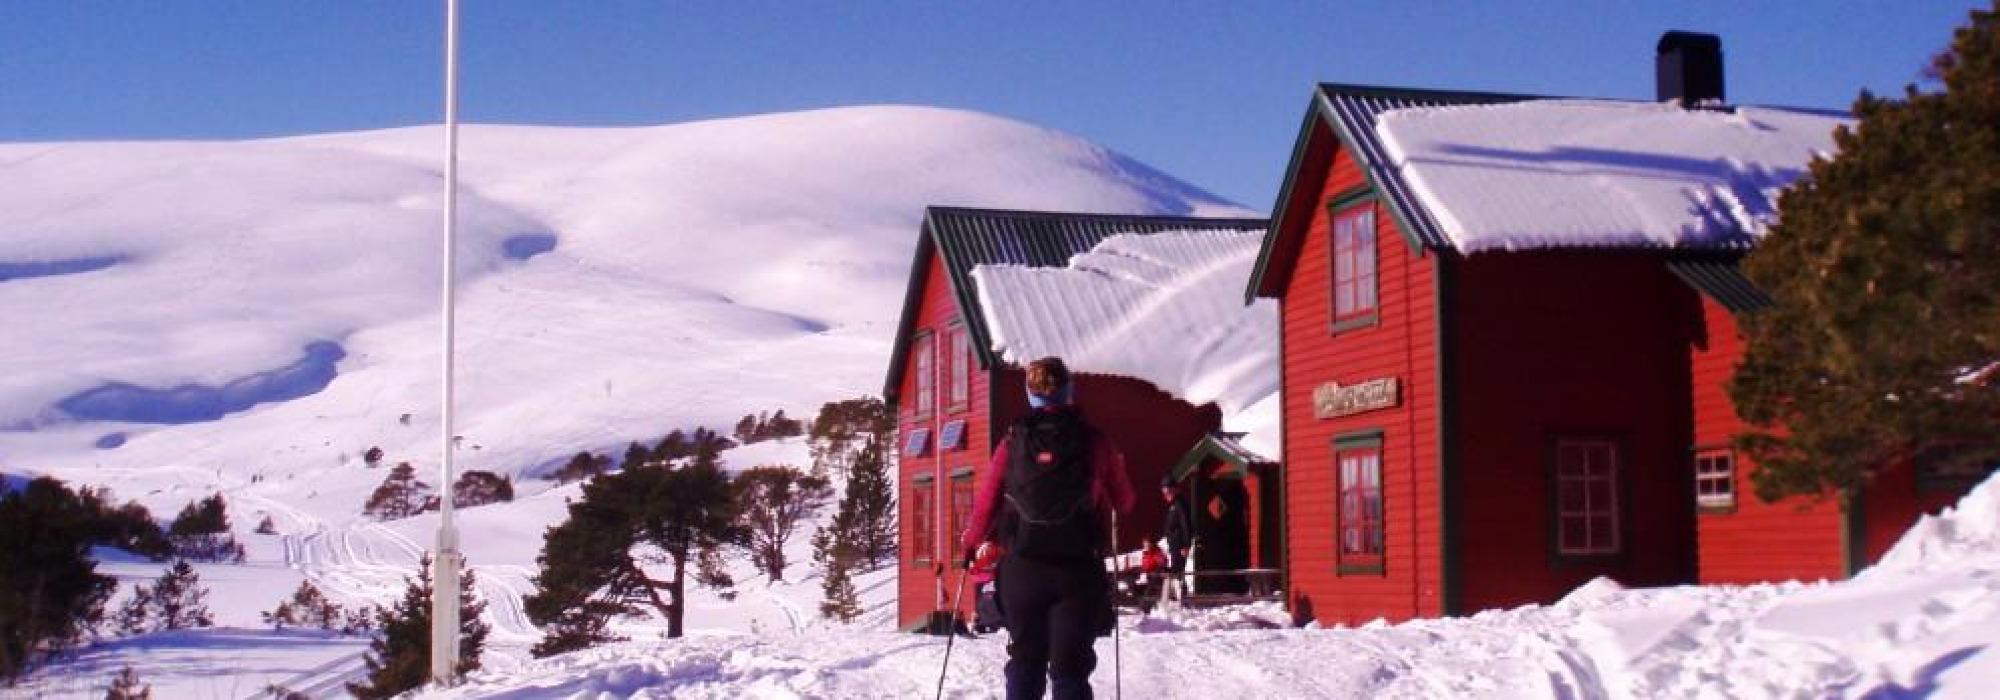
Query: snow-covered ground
x=1918, y=625
x=249, y=317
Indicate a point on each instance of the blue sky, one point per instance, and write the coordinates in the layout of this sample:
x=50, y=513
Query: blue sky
x=1211, y=92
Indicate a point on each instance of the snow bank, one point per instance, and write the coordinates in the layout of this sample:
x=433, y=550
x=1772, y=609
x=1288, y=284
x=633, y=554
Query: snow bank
x=1166, y=308
x=1588, y=173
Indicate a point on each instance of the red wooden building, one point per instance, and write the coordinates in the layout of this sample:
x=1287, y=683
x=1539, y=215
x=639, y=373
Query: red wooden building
x=953, y=395
x=1477, y=427
x=1742, y=538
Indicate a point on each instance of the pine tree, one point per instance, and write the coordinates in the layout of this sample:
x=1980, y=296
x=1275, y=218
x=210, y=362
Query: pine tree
x=401, y=495
x=126, y=686
x=774, y=500
x=50, y=591
x=674, y=446
x=841, y=426
x=840, y=602
x=308, y=607
x=201, y=531
x=867, y=515
x=178, y=599
x=478, y=488
x=582, y=466
x=1885, y=279
x=399, y=659
x=636, y=456
x=372, y=458
x=713, y=573
x=266, y=527
x=746, y=429
x=589, y=569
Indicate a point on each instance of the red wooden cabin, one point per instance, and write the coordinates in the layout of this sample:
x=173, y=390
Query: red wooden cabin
x=1742, y=538
x=953, y=396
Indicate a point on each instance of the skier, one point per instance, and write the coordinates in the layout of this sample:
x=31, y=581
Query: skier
x=1059, y=479
x=1179, y=533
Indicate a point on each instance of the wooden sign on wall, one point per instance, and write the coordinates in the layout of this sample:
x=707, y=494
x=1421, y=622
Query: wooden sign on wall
x=1332, y=400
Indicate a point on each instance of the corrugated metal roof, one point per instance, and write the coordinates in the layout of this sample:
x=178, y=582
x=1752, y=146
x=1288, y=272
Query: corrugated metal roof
x=1354, y=109
x=968, y=237
x=971, y=237
x=1721, y=281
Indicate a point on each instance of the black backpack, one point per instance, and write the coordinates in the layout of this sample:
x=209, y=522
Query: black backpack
x=1048, y=513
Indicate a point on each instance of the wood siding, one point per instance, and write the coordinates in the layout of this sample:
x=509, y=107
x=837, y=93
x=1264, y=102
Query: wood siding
x=1794, y=538
x=1401, y=344
x=925, y=588
x=1579, y=345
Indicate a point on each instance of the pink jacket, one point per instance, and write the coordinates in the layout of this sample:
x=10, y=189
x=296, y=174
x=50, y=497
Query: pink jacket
x=1110, y=486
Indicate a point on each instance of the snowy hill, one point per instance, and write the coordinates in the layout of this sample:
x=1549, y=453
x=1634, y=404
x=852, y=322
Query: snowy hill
x=250, y=316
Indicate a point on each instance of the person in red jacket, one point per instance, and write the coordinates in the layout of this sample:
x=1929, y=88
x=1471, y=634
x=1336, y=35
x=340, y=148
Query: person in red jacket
x=1053, y=484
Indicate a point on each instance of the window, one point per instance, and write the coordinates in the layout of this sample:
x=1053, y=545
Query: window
x=923, y=520
x=961, y=512
x=959, y=391
x=1354, y=267
x=1714, y=481
x=916, y=442
x=1358, y=466
x=953, y=436
x=926, y=374
x=1586, y=497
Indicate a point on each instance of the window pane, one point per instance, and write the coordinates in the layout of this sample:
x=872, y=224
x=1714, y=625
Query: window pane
x=1570, y=496
x=1600, y=533
x=1572, y=535
x=1600, y=495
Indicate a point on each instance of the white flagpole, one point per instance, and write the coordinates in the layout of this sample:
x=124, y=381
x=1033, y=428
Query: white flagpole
x=444, y=591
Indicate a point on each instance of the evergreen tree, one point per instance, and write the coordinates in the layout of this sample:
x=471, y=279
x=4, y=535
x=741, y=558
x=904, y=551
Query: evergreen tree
x=266, y=527
x=746, y=429
x=308, y=607
x=712, y=572
x=201, y=531
x=401, y=495
x=867, y=515
x=582, y=466
x=399, y=659
x=478, y=488
x=838, y=559
x=1884, y=275
x=372, y=458
x=841, y=426
x=126, y=686
x=179, y=600
x=674, y=446
x=50, y=591
x=591, y=567
x=774, y=500
x=636, y=456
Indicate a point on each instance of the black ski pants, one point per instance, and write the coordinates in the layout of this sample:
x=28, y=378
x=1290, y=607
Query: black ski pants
x=1054, y=611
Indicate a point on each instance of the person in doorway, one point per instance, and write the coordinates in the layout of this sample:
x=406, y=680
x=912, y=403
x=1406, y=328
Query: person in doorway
x=1179, y=527
x=1054, y=482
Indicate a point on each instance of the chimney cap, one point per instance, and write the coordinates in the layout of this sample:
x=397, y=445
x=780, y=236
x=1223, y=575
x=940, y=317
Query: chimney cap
x=1683, y=39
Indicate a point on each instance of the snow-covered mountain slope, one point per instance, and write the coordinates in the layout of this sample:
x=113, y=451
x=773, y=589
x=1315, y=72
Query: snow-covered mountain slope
x=251, y=316
x=270, y=307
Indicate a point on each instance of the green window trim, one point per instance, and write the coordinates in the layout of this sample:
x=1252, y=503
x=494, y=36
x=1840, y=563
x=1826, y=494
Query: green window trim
x=1369, y=439
x=960, y=473
x=1338, y=205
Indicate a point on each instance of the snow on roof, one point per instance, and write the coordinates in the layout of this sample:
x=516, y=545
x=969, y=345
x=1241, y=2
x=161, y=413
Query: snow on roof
x=1163, y=307
x=1596, y=173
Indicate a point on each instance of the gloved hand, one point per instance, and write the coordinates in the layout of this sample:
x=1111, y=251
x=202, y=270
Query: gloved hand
x=978, y=553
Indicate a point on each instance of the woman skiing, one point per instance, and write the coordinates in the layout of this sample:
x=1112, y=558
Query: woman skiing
x=1046, y=499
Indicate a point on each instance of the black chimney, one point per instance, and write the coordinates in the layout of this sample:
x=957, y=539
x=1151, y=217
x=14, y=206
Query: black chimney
x=1688, y=67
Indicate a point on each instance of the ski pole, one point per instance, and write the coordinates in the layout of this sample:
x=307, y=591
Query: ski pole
x=949, y=631
x=1117, y=653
